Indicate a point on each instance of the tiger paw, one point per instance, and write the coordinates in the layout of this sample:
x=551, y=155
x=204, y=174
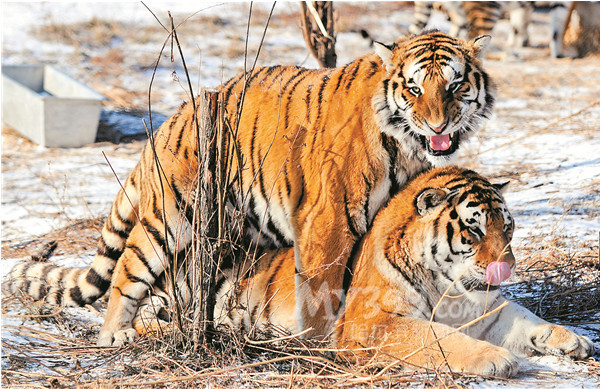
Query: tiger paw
x=558, y=340
x=489, y=360
x=118, y=339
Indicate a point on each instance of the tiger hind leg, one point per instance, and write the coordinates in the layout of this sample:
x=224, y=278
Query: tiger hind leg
x=148, y=254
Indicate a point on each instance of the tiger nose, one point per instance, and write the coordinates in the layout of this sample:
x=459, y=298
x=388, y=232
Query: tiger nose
x=436, y=128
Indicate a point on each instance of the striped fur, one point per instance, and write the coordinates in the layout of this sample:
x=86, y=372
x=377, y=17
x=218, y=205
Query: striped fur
x=474, y=18
x=321, y=151
x=425, y=256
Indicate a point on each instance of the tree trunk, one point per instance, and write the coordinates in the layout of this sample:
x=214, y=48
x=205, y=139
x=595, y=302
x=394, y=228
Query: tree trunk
x=319, y=32
x=207, y=226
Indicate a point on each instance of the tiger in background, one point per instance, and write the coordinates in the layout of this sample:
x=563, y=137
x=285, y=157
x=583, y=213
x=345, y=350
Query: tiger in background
x=321, y=151
x=474, y=18
x=426, y=267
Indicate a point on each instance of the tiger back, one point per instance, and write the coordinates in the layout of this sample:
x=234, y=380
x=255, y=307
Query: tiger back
x=321, y=151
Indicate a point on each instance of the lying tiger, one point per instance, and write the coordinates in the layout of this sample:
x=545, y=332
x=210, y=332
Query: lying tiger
x=431, y=262
x=320, y=151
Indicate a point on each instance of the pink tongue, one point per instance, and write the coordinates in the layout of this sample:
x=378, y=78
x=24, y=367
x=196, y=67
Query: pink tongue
x=440, y=142
x=497, y=272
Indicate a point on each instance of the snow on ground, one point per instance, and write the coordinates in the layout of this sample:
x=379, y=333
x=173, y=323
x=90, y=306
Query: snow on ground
x=543, y=137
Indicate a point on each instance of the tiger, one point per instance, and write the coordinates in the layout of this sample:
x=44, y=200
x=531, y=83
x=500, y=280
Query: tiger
x=474, y=18
x=421, y=273
x=320, y=151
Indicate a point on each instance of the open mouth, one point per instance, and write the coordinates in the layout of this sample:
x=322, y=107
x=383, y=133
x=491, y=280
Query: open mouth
x=440, y=144
x=483, y=287
x=474, y=285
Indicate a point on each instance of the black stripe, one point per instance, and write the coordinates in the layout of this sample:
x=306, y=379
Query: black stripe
x=252, y=144
x=75, y=293
x=59, y=298
x=140, y=255
x=280, y=74
x=230, y=86
x=367, y=195
x=161, y=217
x=354, y=73
x=182, y=205
x=349, y=219
x=253, y=219
x=307, y=100
x=174, y=120
x=449, y=236
x=415, y=283
x=291, y=92
x=288, y=185
x=301, y=197
x=341, y=77
x=43, y=291
x=96, y=279
x=135, y=279
x=256, y=74
x=251, y=215
x=261, y=179
x=107, y=251
x=219, y=284
x=110, y=227
x=180, y=136
x=386, y=85
x=373, y=70
x=463, y=196
x=299, y=72
x=270, y=70
x=128, y=223
x=126, y=295
x=349, y=270
x=47, y=269
x=281, y=240
x=267, y=311
x=391, y=147
x=326, y=79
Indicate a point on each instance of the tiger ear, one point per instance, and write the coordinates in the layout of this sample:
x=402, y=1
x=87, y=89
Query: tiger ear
x=429, y=198
x=501, y=186
x=385, y=53
x=480, y=45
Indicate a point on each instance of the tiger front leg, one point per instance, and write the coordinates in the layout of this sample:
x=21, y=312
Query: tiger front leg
x=524, y=333
x=136, y=271
x=423, y=344
x=320, y=267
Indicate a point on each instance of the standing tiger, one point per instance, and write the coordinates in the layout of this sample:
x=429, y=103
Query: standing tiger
x=473, y=18
x=430, y=263
x=321, y=150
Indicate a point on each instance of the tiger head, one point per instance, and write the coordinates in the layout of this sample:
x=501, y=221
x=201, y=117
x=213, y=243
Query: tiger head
x=434, y=94
x=460, y=230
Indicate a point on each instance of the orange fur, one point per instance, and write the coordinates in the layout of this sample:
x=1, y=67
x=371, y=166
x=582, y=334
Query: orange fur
x=320, y=152
x=406, y=298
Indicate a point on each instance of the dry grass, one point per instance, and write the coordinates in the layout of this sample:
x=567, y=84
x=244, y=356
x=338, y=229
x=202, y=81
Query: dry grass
x=78, y=237
x=556, y=286
x=231, y=360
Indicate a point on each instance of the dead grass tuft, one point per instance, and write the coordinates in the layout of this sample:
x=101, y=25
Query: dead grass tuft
x=78, y=237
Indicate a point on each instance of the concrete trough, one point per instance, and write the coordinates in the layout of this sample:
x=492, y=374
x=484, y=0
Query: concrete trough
x=49, y=107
